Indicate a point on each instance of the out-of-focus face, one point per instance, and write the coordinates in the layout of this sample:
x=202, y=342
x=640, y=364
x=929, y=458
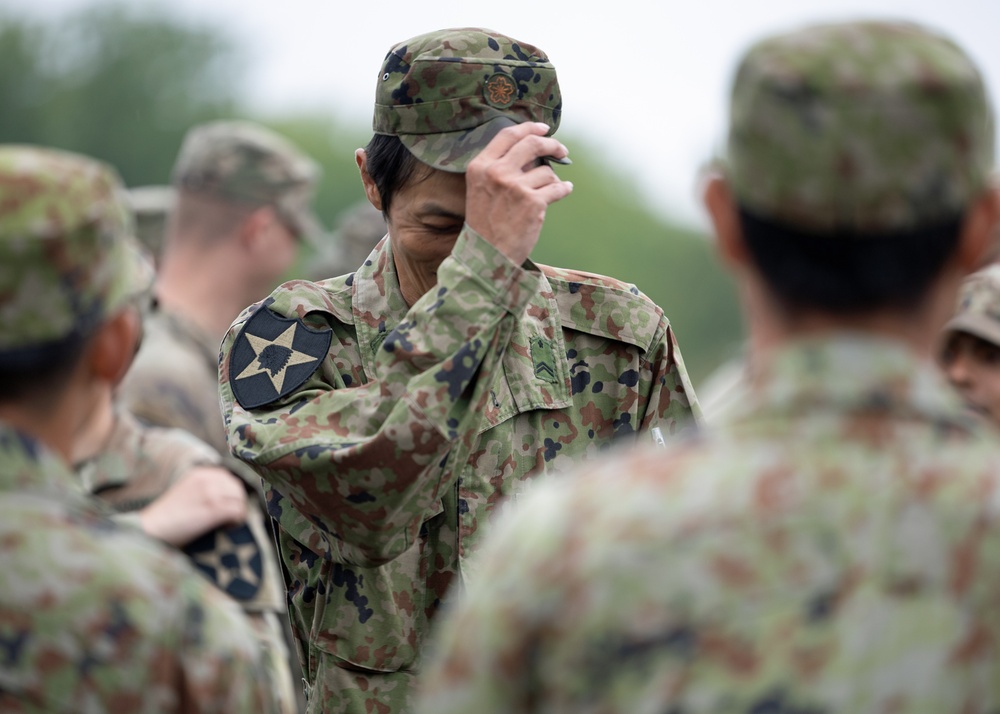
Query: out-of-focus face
x=424, y=221
x=972, y=365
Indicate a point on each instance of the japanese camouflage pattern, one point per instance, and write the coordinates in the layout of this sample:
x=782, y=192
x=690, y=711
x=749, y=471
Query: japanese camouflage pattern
x=172, y=383
x=243, y=162
x=67, y=259
x=446, y=94
x=870, y=127
x=978, y=310
x=140, y=462
x=404, y=440
x=137, y=466
x=833, y=547
x=96, y=617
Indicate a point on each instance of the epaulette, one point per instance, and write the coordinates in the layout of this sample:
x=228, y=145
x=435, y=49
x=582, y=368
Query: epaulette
x=599, y=305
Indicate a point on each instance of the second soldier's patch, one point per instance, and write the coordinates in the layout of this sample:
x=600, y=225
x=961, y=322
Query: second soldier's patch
x=230, y=558
x=272, y=356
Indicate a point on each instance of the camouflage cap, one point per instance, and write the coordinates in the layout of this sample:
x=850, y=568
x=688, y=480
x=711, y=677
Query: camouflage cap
x=870, y=127
x=978, y=311
x=445, y=94
x=67, y=256
x=247, y=163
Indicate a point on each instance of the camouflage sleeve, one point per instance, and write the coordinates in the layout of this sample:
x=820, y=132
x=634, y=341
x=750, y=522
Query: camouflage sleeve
x=671, y=405
x=222, y=669
x=365, y=462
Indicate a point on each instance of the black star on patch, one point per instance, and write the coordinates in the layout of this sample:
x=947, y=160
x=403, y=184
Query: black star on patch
x=272, y=356
x=230, y=558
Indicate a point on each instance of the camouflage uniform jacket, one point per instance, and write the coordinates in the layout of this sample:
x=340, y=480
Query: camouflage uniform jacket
x=173, y=379
x=833, y=546
x=95, y=617
x=173, y=383
x=388, y=461
x=136, y=466
x=140, y=462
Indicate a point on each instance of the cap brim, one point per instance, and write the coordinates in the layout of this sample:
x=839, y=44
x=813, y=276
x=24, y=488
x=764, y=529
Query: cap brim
x=453, y=150
x=977, y=325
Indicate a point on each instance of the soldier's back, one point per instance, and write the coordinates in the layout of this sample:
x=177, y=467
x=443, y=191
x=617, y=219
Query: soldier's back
x=95, y=617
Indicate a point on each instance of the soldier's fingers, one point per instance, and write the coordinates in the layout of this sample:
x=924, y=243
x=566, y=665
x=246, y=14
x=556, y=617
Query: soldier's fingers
x=506, y=138
x=555, y=191
x=528, y=152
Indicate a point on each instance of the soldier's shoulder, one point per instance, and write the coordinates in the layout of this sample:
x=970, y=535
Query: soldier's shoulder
x=176, y=446
x=604, y=306
x=299, y=298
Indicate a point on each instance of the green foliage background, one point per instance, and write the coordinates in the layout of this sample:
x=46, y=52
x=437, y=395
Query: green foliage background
x=124, y=86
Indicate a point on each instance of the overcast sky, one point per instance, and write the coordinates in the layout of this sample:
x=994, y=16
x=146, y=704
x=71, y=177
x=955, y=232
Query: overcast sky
x=645, y=81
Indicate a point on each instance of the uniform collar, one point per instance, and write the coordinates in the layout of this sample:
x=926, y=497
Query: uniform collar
x=28, y=466
x=850, y=372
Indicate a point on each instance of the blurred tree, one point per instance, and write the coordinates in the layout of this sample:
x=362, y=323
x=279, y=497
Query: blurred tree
x=116, y=83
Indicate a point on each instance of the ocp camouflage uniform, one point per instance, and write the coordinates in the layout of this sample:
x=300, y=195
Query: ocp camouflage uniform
x=390, y=436
x=136, y=466
x=174, y=380
x=93, y=616
x=832, y=542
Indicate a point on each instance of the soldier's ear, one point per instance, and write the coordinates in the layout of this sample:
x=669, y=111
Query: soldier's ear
x=112, y=348
x=721, y=208
x=254, y=229
x=371, y=190
x=979, y=229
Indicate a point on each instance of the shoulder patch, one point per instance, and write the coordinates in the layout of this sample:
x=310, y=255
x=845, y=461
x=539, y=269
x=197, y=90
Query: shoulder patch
x=230, y=558
x=272, y=356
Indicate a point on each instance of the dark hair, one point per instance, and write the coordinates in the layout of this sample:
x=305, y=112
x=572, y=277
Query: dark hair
x=391, y=166
x=848, y=272
x=39, y=373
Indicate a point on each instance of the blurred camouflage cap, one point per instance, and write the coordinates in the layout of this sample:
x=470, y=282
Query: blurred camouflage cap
x=247, y=163
x=67, y=256
x=445, y=94
x=870, y=127
x=151, y=206
x=978, y=311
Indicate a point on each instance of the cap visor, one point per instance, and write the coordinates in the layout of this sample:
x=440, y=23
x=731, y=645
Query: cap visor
x=453, y=150
x=978, y=325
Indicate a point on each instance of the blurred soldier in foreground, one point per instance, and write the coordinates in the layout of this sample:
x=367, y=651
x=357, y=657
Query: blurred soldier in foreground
x=151, y=206
x=970, y=354
x=834, y=544
x=93, y=616
x=393, y=409
x=241, y=211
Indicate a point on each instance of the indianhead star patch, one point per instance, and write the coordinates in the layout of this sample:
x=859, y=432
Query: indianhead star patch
x=272, y=356
x=230, y=558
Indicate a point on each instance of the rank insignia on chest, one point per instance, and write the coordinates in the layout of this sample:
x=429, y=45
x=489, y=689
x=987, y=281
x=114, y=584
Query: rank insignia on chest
x=544, y=360
x=230, y=558
x=273, y=356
